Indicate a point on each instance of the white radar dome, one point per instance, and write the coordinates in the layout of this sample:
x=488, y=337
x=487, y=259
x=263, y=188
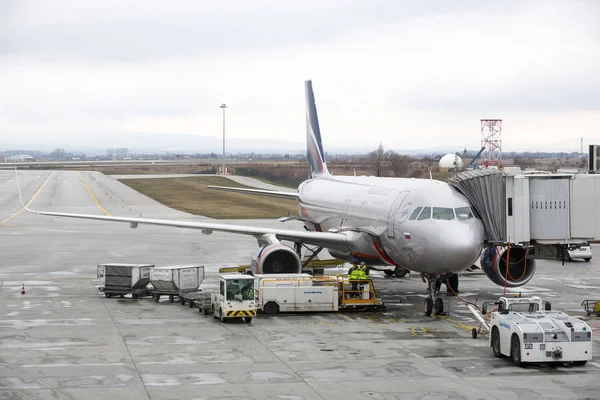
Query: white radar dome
x=451, y=162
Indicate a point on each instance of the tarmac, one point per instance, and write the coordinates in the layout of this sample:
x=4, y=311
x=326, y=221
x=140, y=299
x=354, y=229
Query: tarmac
x=64, y=340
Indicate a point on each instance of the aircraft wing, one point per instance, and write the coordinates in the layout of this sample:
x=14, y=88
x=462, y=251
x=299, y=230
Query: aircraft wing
x=270, y=193
x=324, y=239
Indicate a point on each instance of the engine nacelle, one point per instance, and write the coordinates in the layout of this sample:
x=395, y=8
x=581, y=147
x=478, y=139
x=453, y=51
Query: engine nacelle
x=520, y=268
x=276, y=259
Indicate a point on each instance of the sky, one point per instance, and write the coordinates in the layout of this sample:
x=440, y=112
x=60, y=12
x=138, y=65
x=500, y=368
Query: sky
x=406, y=74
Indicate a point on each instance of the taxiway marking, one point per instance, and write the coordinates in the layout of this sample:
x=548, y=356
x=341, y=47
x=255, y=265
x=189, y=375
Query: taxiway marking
x=27, y=205
x=93, y=197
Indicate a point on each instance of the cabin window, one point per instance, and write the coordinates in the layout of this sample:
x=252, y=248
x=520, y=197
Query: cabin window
x=425, y=214
x=464, y=213
x=415, y=213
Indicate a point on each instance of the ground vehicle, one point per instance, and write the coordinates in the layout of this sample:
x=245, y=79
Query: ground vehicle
x=575, y=251
x=521, y=330
x=303, y=292
x=235, y=298
x=583, y=251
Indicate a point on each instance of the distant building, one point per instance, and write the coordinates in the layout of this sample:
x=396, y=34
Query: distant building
x=19, y=158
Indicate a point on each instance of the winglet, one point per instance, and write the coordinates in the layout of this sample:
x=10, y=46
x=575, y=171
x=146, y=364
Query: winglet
x=315, y=153
x=19, y=188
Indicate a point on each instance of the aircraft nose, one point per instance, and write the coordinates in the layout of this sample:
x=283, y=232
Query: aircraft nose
x=460, y=249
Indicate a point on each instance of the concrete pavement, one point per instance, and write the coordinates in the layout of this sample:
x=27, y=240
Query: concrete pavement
x=62, y=339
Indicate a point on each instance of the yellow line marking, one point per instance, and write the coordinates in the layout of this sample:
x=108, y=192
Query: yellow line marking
x=27, y=205
x=93, y=197
x=2, y=184
x=457, y=323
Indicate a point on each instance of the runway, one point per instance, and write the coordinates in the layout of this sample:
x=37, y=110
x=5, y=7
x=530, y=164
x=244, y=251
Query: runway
x=62, y=339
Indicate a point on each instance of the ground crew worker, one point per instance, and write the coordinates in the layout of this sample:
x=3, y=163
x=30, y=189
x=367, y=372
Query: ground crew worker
x=357, y=276
x=364, y=275
x=354, y=275
x=248, y=292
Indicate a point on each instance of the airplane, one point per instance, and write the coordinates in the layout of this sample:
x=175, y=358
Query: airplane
x=422, y=225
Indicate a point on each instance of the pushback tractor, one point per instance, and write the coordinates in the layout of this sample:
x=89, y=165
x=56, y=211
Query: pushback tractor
x=522, y=330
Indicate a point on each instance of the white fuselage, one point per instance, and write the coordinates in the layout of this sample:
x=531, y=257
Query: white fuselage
x=392, y=230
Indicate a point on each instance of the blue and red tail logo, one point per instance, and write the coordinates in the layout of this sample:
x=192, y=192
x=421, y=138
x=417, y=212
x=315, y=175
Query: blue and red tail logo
x=315, y=153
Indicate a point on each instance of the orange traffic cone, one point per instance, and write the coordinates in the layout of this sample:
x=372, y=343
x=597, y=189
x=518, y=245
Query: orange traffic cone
x=23, y=289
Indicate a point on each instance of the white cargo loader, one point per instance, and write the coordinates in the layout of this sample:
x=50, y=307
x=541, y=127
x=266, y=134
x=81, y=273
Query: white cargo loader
x=294, y=293
x=306, y=293
x=522, y=331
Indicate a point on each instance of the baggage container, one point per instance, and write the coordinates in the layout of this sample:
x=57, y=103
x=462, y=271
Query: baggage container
x=177, y=279
x=124, y=278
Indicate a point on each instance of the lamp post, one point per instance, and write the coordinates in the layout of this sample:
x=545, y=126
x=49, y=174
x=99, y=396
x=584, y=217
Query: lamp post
x=223, y=106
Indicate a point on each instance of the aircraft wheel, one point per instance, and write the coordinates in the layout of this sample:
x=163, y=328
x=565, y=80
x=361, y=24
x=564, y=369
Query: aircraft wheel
x=400, y=272
x=439, y=306
x=388, y=272
x=515, y=353
x=428, y=306
x=156, y=297
x=134, y=296
x=474, y=333
x=182, y=301
x=191, y=304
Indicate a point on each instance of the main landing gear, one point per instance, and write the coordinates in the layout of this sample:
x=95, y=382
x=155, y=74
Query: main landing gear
x=434, y=303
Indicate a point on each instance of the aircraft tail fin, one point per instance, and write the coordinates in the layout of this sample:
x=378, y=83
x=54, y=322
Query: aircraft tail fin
x=315, y=154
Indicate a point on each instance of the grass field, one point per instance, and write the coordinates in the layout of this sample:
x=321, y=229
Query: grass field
x=192, y=195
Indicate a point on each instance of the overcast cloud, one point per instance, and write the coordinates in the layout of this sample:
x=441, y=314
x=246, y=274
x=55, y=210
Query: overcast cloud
x=407, y=75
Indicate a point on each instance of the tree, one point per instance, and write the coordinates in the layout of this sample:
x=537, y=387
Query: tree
x=58, y=154
x=399, y=164
x=378, y=157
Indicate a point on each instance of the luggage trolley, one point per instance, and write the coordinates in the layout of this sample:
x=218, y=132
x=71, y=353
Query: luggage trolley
x=591, y=307
x=182, y=281
x=123, y=279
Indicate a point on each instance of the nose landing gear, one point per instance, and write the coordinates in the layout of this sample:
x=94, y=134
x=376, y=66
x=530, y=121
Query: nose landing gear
x=434, y=303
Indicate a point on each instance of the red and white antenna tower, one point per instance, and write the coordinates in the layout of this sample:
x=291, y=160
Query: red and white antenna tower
x=491, y=139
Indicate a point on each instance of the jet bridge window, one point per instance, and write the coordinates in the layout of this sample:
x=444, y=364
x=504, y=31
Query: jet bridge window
x=443, y=213
x=425, y=214
x=463, y=213
x=415, y=213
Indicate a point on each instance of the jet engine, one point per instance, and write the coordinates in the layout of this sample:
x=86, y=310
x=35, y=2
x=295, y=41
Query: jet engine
x=276, y=259
x=520, y=268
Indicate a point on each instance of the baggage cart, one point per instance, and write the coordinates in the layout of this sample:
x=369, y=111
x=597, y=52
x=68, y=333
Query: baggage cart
x=591, y=307
x=122, y=279
x=176, y=280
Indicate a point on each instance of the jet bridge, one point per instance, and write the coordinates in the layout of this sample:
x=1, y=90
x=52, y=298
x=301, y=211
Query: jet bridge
x=532, y=209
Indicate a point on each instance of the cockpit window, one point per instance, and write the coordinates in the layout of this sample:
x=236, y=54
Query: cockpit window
x=415, y=213
x=425, y=214
x=464, y=213
x=443, y=213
